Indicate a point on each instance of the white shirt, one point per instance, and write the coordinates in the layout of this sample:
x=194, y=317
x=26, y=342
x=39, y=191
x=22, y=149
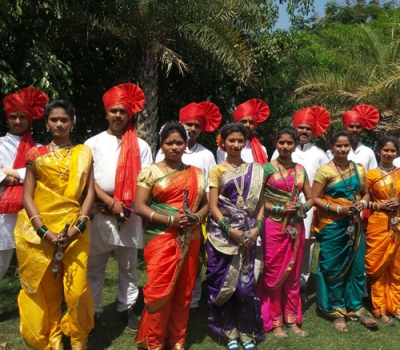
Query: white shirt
x=363, y=155
x=104, y=232
x=247, y=154
x=8, y=151
x=311, y=158
x=396, y=162
x=198, y=156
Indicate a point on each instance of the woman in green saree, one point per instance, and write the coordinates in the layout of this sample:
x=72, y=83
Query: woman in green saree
x=339, y=194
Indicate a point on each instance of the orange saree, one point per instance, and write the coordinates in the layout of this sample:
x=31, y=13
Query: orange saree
x=383, y=239
x=171, y=258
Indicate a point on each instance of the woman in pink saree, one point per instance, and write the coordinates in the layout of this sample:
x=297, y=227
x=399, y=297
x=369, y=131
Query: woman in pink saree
x=283, y=241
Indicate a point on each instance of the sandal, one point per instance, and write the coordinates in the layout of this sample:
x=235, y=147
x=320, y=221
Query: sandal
x=389, y=321
x=249, y=346
x=363, y=320
x=233, y=345
x=340, y=321
x=282, y=335
x=298, y=331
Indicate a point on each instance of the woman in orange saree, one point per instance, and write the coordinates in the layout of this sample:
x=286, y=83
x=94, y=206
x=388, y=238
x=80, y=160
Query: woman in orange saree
x=382, y=257
x=171, y=197
x=58, y=189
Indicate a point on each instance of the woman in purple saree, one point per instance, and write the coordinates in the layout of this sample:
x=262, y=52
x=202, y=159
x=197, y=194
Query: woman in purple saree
x=236, y=207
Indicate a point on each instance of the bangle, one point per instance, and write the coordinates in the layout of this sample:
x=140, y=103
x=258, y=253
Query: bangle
x=84, y=216
x=306, y=207
x=41, y=231
x=327, y=207
x=172, y=220
x=111, y=205
x=35, y=216
x=168, y=220
x=339, y=209
x=151, y=216
x=45, y=233
x=81, y=226
x=78, y=229
x=364, y=203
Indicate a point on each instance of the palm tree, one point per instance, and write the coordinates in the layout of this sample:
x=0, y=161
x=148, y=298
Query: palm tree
x=365, y=68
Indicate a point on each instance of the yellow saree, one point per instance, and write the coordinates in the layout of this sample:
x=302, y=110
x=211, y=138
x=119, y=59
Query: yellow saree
x=57, y=196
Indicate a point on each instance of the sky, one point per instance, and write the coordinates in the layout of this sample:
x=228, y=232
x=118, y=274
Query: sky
x=284, y=23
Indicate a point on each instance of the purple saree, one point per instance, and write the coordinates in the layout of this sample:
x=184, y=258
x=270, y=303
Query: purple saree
x=234, y=307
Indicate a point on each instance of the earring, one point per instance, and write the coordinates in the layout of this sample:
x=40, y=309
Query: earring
x=47, y=129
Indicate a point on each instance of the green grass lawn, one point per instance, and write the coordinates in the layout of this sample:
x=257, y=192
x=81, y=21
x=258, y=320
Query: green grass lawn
x=113, y=335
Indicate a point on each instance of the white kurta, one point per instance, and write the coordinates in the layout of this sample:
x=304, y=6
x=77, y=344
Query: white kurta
x=311, y=158
x=247, y=154
x=363, y=155
x=396, y=162
x=198, y=156
x=8, y=151
x=104, y=233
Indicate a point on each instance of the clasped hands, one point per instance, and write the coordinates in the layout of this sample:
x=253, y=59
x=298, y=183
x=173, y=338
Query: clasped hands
x=240, y=237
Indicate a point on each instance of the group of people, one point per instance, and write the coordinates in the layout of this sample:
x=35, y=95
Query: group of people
x=257, y=220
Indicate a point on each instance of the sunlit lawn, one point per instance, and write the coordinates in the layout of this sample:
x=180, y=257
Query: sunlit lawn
x=113, y=335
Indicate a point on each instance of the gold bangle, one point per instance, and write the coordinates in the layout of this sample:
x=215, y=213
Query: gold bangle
x=111, y=205
x=172, y=220
x=78, y=229
x=151, y=216
x=84, y=216
x=35, y=216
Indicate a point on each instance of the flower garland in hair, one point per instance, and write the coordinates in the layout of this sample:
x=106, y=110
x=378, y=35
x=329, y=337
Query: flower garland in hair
x=220, y=143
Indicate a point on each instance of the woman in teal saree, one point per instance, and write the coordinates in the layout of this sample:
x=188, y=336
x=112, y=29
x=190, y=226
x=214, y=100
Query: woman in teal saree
x=339, y=194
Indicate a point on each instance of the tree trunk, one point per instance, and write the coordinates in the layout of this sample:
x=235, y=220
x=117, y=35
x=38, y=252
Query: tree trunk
x=146, y=121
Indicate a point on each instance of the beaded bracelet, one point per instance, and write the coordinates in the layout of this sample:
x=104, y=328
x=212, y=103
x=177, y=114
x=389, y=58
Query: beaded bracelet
x=41, y=231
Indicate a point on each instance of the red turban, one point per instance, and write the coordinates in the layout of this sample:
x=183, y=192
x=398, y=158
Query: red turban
x=129, y=95
x=366, y=115
x=207, y=113
x=255, y=108
x=30, y=101
x=259, y=111
x=317, y=117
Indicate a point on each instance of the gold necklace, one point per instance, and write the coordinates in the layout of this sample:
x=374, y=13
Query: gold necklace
x=172, y=179
x=61, y=157
x=341, y=164
x=175, y=167
x=284, y=179
x=285, y=161
x=239, y=189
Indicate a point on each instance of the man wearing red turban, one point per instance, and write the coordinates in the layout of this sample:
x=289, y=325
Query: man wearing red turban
x=198, y=117
x=21, y=109
x=250, y=113
x=309, y=122
x=118, y=157
x=361, y=117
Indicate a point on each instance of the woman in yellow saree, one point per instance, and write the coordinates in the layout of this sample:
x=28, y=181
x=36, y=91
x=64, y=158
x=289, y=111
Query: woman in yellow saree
x=171, y=198
x=382, y=257
x=58, y=190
